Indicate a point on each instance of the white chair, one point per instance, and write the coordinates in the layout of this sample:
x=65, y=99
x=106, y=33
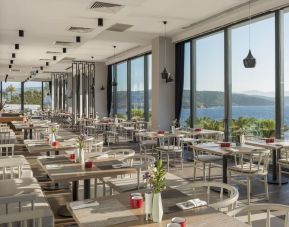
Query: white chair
x=251, y=164
x=283, y=164
x=206, y=160
x=272, y=210
x=6, y=150
x=170, y=146
x=5, y=137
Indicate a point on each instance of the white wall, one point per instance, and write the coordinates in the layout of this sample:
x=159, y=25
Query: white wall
x=163, y=94
x=100, y=96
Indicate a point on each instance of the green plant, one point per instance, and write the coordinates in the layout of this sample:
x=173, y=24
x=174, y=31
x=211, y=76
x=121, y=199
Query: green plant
x=267, y=128
x=157, y=179
x=81, y=141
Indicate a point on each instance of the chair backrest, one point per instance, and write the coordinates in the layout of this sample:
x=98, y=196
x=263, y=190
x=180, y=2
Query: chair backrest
x=227, y=201
x=6, y=150
x=121, y=153
x=5, y=137
x=253, y=160
x=98, y=146
x=171, y=142
x=88, y=144
x=9, y=164
x=144, y=162
x=267, y=207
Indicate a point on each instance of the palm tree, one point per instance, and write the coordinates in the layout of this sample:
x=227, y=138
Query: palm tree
x=10, y=89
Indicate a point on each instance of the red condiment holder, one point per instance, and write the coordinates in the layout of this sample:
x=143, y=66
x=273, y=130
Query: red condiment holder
x=270, y=140
x=72, y=157
x=136, y=200
x=88, y=164
x=161, y=132
x=198, y=129
x=179, y=220
x=55, y=143
x=225, y=144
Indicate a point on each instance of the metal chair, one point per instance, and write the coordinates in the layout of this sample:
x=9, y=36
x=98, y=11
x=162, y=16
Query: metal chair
x=6, y=150
x=5, y=137
x=283, y=164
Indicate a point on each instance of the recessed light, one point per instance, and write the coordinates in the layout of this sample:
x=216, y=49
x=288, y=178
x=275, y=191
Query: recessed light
x=78, y=39
x=13, y=55
x=16, y=46
x=54, y=58
x=21, y=33
x=64, y=50
x=11, y=62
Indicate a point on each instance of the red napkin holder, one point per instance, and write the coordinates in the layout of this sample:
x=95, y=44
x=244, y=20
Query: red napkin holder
x=72, y=157
x=179, y=220
x=270, y=140
x=88, y=164
x=30, y=125
x=55, y=143
x=198, y=129
x=225, y=144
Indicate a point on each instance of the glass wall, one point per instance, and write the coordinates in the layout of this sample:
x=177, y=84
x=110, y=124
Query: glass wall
x=286, y=73
x=137, y=87
x=46, y=96
x=32, y=96
x=210, y=81
x=121, y=94
x=254, y=89
x=185, y=112
x=11, y=95
x=150, y=73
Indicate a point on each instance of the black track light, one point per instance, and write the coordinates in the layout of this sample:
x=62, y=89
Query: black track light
x=78, y=39
x=47, y=63
x=64, y=50
x=41, y=67
x=21, y=33
x=16, y=46
x=13, y=55
x=36, y=71
x=100, y=22
x=10, y=66
x=54, y=58
x=6, y=77
x=30, y=76
x=11, y=62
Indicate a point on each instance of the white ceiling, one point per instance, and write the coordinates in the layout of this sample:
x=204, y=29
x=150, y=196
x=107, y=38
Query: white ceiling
x=46, y=21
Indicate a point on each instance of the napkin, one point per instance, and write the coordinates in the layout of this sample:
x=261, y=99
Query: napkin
x=192, y=203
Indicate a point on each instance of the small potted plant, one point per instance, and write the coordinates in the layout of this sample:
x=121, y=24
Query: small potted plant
x=174, y=125
x=158, y=183
x=81, y=143
x=53, y=135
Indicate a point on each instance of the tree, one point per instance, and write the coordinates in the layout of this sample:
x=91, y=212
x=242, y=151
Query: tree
x=10, y=89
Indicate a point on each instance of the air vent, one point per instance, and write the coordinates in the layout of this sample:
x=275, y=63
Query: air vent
x=80, y=29
x=16, y=70
x=53, y=52
x=98, y=5
x=63, y=43
x=44, y=59
x=67, y=59
x=119, y=27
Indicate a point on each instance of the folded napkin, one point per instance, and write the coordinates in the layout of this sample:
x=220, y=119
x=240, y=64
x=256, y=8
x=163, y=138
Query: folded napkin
x=231, y=149
x=118, y=166
x=83, y=204
x=192, y=203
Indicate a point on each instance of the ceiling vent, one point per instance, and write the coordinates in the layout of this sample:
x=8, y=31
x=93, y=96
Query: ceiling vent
x=44, y=59
x=16, y=70
x=119, y=27
x=53, y=52
x=80, y=29
x=63, y=43
x=106, y=7
x=67, y=59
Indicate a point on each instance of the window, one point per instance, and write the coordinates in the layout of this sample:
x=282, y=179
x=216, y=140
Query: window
x=254, y=89
x=46, y=96
x=32, y=96
x=185, y=112
x=286, y=74
x=137, y=87
x=210, y=81
x=121, y=103
x=12, y=95
x=150, y=84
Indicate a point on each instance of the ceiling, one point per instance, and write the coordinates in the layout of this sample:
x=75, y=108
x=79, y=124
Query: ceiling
x=47, y=21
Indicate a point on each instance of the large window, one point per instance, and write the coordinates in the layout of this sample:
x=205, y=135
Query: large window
x=210, y=81
x=121, y=103
x=32, y=96
x=137, y=87
x=46, y=96
x=185, y=112
x=254, y=88
x=11, y=95
x=286, y=73
x=150, y=83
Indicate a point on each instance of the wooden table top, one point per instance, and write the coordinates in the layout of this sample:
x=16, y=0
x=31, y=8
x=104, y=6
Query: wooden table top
x=61, y=169
x=275, y=145
x=38, y=146
x=197, y=217
x=215, y=148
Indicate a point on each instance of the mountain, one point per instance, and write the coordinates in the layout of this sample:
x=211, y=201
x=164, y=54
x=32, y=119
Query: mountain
x=262, y=93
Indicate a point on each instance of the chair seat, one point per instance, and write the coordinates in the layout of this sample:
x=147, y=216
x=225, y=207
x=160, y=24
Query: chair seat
x=284, y=161
x=148, y=142
x=208, y=158
x=170, y=148
x=246, y=169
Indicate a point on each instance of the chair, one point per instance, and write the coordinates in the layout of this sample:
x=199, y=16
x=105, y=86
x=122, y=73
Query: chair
x=12, y=167
x=251, y=164
x=6, y=150
x=283, y=163
x=170, y=145
x=121, y=154
x=5, y=137
x=201, y=157
x=269, y=208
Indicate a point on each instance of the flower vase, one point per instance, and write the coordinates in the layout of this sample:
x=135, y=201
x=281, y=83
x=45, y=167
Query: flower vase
x=157, y=208
x=173, y=128
x=81, y=156
x=52, y=138
x=148, y=204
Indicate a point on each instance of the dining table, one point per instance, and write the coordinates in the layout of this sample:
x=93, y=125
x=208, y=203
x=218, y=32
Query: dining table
x=116, y=211
x=29, y=127
x=275, y=147
x=61, y=169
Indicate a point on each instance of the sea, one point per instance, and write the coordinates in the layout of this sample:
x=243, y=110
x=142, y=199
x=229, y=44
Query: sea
x=258, y=112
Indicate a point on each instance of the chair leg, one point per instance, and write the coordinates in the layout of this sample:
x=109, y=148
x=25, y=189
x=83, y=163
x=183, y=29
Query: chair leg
x=195, y=169
x=280, y=175
x=266, y=186
x=248, y=189
x=210, y=171
x=204, y=172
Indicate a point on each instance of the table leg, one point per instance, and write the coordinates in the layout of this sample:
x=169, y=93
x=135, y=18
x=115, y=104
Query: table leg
x=25, y=134
x=87, y=189
x=75, y=185
x=30, y=134
x=225, y=168
x=273, y=178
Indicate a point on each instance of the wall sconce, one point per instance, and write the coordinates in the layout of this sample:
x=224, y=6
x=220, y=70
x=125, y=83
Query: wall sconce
x=166, y=76
x=102, y=88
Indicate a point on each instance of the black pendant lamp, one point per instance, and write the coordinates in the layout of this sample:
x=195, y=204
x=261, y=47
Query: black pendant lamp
x=165, y=74
x=249, y=61
x=64, y=50
x=16, y=46
x=114, y=82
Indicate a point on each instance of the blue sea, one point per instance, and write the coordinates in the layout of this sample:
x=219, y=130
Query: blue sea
x=217, y=113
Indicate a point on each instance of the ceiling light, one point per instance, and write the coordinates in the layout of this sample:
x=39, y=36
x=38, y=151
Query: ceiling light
x=41, y=67
x=10, y=66
x=13, y=55
x=47, y=63
x=78, y=39
x=36, y=71
x=100, y=22
x=16, y=46
x=102, y=88
x=11, y=62
x=54, y=58
x=21, y=33
x=64, y=50
x=165, y=74
x=249, y=61
x=6, y=77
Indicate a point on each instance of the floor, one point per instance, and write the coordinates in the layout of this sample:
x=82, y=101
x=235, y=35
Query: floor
x=57, y=198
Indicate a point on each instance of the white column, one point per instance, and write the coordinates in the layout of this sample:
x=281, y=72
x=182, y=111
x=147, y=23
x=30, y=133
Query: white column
x=80, y=95
x=163, y=94
x=100, y=95
x=52, y=92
